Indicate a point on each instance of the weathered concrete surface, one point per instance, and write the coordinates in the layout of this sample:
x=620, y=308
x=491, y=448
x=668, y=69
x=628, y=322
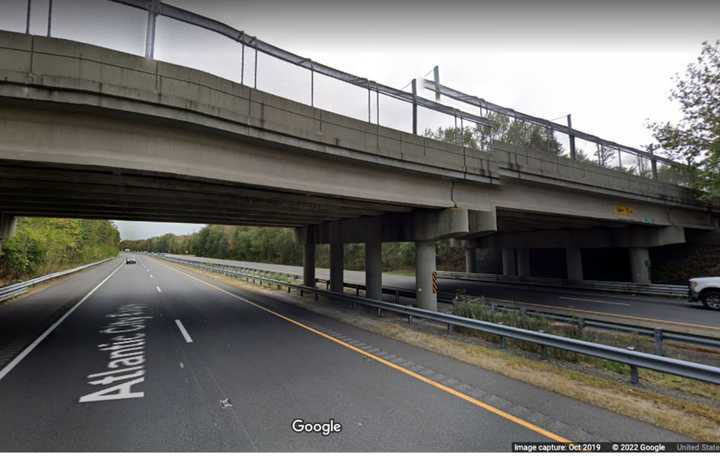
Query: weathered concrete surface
x=631, y=236
x=8, y=223
x=73, y=107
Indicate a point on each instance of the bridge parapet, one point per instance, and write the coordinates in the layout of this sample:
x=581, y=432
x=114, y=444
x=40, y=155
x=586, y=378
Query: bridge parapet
x=543, y=167
x=70, y=72
x=57, y=70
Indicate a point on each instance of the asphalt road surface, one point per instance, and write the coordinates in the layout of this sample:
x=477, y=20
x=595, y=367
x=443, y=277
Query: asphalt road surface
x=148, y=357
x=671, y=311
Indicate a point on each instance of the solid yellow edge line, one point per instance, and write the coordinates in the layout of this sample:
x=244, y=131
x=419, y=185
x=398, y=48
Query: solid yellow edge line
x=410, y=373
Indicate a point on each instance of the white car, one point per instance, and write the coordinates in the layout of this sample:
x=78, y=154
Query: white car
x=706, y=290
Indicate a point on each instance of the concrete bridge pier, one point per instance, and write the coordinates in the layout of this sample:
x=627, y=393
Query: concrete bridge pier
x=573, y=261
x=309, y=278
x=640, y=265
x=8, y=224
x=523, y=262
x=508, y=262
x=425, y=266
x=337, y=261
x=373, y=262
x=471, y=261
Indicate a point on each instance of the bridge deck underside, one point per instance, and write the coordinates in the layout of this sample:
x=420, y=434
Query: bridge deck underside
x=46, y=190
x=513, y=221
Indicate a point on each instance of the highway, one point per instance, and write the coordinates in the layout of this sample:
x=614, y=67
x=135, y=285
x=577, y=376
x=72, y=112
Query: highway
x=147, y=357
x=659, y=310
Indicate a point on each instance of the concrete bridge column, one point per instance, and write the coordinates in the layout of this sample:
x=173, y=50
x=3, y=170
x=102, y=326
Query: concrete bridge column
x=640, y=265
x=8, y=224
x=471, y=264
x=573, y=261
x=523, y=262
x=309, y=278
x=509, y=267
x=373, y=264
x=425, y=266
x=337, y=258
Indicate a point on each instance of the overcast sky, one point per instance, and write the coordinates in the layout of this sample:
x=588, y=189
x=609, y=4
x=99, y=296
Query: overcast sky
x=608, y=63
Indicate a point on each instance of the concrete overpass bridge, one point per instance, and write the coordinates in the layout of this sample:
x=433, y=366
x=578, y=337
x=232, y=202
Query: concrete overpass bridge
x=91, y=132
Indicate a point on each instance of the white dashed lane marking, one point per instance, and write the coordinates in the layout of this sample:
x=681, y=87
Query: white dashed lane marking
x=184, y=332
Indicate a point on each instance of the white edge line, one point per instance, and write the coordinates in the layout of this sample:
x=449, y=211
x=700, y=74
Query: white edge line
x=158, y=289
x=595, y=301
x=184, y=332
x=19, y=358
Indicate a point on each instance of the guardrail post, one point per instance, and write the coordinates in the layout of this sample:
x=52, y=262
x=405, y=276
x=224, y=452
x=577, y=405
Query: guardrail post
x=581, y=324
x=503, y=342
x=634, y=375
x=659, y=341
x=379, y=312
x=397, y=296
x=317, y=296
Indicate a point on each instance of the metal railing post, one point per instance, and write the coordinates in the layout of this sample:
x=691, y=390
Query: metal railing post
x=414, y=106
x=27, y=17
x=49, y=22
x=242, y=65
x=150, y=31
x=573, y=153
x=653, y=164
x=255, y=72
x=312, y=85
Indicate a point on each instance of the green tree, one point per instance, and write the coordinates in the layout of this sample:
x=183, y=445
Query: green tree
x=695, y=139
x=44, y=245
x=502, y=129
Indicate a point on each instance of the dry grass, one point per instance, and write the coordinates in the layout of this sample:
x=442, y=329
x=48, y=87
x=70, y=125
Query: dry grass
x=696, y=419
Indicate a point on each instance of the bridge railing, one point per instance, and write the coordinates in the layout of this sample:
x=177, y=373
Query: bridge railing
x=19, y=288
x=457, y=121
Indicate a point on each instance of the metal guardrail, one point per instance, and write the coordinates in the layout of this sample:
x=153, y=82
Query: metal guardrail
x=660, y=335
x=633, y=359
x=157, y=8
x=16, y=289
x=665, y=290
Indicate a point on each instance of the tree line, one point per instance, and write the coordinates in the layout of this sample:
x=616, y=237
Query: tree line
x=279, y=246
x=44, y=245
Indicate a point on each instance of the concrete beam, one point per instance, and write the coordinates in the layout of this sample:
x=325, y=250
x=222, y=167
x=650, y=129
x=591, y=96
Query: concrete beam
x=631, y=236
x=431, y=225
